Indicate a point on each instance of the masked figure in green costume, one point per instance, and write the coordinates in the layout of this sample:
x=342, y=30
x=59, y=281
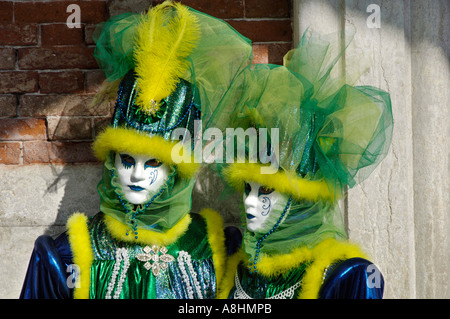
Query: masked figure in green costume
x=324, y=135
x=170, y=67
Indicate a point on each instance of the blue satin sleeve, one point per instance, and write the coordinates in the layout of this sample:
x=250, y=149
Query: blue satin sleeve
x=47, y=276
x=354, y=278
x=233, y=239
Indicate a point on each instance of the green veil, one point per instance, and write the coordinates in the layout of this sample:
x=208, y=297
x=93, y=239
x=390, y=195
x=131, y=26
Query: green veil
x=329, y=132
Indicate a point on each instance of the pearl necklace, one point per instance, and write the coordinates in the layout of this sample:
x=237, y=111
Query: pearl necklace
x=185, y=258
x=285, y=294
x=121, y=255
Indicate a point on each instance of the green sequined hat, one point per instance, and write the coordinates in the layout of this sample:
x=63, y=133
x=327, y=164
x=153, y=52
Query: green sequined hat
x=332, y=134
x=173, y=65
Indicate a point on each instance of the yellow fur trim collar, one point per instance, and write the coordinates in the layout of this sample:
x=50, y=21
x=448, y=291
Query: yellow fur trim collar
x=130, y=140
x=321, y=256
x=227, y=283
x=147, y=237
x=216, y=239
x=238, y=173
x=80, y=244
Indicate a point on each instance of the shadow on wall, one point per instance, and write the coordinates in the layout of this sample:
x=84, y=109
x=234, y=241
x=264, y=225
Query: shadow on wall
x=79, y=186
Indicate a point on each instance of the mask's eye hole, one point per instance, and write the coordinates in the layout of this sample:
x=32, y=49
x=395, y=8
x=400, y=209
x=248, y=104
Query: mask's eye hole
x=127, y=160
x=263, y=190
x=247, y=189
x=153, y=163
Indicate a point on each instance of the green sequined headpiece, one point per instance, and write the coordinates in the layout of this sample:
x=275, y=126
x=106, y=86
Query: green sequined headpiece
x=332, y=134
x=165, y=86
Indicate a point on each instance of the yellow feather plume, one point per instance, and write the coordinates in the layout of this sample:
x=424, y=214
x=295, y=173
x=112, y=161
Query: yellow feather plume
x=166, y=36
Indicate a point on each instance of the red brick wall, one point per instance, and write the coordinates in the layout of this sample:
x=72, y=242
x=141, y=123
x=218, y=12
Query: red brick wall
x=48, y=75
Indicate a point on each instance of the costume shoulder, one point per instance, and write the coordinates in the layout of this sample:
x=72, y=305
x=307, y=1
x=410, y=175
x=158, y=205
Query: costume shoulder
x=206, y=229
x=354, y=278
x=47, y=275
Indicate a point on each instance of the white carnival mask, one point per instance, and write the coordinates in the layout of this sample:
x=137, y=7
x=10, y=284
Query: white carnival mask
x=140, y=175
x=259, y=202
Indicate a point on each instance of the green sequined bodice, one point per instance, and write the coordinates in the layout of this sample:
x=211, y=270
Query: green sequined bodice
x=256, y=286
x=141, y=281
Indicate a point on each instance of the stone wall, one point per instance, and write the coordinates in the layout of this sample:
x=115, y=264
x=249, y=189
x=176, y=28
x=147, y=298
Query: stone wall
x=400, y=214
x=48, y=78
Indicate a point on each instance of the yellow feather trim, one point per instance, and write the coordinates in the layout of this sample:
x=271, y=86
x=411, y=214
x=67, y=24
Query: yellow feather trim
x=325, y=254
x=238, y=173
x=228, y=280
x=80, y=244
x=216, y=239
x=166, y=36
x=272, y=266
x=147, y=237
x=130, y=140
x=321, y=256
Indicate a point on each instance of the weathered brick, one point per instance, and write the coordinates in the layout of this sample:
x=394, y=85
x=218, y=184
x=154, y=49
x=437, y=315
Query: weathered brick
x=60, y=34
x=16, y=129
x=72, y=152
x=59, y=105
x=270, y=52
x=18, y=81
x=260, y=53
x=8, y=105
x=116, y=7
x=57, y=152
x=10, y=153
x=267, y=8
x=94, y=80
x=56, y=11
x=6, y=12
x=89, y=33
x=18, y=34
x=264, y=30
x=101, y=123
x=56, y=58
x=69, y=128
x=277, y=52
x=36, y=152
x=7, y=58
x=61, y=82
x=223, y=9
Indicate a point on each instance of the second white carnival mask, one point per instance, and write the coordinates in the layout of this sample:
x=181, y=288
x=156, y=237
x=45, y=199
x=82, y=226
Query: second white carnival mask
x=259, y=203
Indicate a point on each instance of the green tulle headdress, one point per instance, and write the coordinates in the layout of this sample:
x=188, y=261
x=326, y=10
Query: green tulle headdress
x=169, y=67
x=332, y=135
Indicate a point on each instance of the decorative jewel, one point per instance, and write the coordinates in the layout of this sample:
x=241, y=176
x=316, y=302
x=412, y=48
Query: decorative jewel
x=185, y=258
x=155, y=258
x=324, y=275
x=285, y=294
x=121, y=255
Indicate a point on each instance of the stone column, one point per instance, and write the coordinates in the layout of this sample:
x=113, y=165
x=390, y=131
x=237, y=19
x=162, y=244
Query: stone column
x=430, y=83
x=400, y=215
x=381, y=209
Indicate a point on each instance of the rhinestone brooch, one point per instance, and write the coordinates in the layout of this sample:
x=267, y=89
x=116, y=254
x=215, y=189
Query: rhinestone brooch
x=155, y=258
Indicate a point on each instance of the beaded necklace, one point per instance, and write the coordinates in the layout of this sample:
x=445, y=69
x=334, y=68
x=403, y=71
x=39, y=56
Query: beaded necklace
x=258, y=244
